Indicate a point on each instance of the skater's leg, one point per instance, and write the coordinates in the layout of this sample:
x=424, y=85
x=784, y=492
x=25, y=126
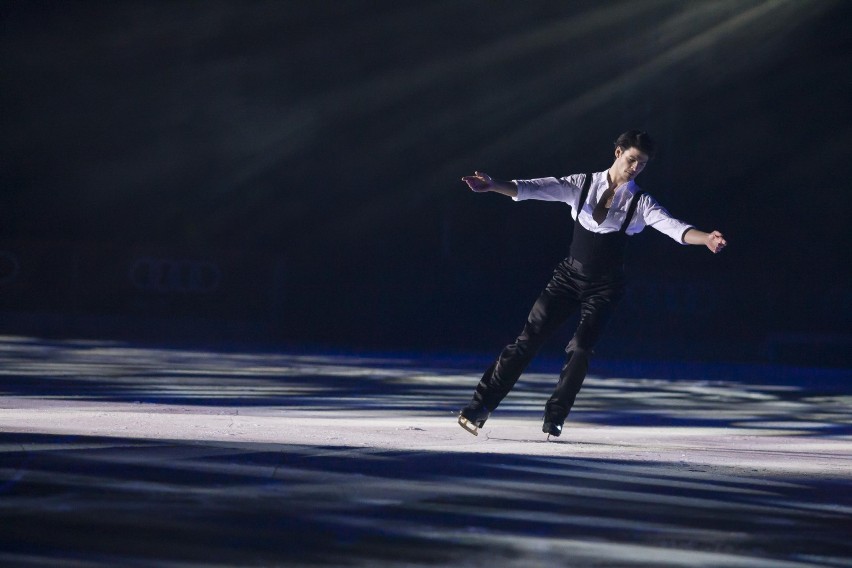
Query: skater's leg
x=480, y=394
x=474, y=415
x=595, y=312
x=550, y=310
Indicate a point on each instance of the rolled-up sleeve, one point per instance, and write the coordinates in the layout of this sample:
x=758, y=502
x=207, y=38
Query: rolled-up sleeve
x=547, y=189
x=656, y=216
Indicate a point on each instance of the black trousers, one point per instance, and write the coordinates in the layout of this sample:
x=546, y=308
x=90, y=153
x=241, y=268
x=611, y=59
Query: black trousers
x=569, y=290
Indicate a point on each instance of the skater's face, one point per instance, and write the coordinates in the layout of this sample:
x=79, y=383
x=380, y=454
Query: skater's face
x=629, y=163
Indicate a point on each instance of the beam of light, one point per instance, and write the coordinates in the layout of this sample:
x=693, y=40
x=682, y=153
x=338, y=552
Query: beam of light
x=753, y=29
x=297, y=126
x=765, y=21
x=375, y=94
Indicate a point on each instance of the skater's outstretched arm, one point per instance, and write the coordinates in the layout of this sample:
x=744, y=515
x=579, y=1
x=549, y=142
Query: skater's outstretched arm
x=713, y=241
x=481, y=182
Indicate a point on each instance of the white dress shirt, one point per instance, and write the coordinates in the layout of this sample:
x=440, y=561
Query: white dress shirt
x=568, y=189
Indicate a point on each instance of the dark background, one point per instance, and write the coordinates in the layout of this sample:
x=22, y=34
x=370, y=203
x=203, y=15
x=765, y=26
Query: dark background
x=288, y=172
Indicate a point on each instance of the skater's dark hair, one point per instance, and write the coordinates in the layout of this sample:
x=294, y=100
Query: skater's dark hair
x=638, y=139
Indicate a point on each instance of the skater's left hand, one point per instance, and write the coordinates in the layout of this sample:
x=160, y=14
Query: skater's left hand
x=716, y=242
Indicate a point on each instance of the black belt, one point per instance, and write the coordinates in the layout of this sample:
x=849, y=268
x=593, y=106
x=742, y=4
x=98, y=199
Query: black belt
x=592, y=270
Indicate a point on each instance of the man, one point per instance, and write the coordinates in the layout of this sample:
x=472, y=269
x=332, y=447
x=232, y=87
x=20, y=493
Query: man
x=606, y=207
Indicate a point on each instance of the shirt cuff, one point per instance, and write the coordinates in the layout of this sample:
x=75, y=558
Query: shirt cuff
x=523, y=190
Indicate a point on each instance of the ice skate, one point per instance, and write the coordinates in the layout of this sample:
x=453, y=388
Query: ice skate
x=472, y=418
x=551, y=429
x=554, y=416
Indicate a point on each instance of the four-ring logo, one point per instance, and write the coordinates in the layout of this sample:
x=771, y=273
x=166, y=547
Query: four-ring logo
x=169, y=276
x=9, y=267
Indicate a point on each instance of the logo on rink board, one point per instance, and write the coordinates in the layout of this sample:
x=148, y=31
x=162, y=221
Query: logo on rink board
x=9, y=267
x=171, y=276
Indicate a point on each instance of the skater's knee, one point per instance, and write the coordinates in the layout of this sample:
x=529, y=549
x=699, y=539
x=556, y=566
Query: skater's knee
x=580, y=348
x=531, y=337
x=525, y=346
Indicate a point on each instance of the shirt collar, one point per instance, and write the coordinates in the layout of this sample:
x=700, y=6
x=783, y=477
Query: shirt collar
x=630, y=187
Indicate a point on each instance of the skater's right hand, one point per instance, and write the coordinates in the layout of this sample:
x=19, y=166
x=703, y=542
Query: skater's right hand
x=479, y=182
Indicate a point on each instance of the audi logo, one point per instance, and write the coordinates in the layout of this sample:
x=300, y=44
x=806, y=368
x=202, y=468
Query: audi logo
x=168, y=276
x=9, y=267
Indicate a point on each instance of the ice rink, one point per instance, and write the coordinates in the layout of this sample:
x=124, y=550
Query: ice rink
x=115, y=454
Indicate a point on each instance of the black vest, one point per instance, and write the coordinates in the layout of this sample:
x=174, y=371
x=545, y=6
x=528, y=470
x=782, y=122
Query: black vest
x=600, y=253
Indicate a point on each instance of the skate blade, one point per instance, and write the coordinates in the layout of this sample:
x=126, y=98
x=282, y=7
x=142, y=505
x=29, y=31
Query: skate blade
x=468, y=425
